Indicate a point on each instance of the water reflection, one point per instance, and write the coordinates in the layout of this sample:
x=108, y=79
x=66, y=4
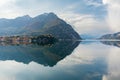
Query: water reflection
x=47, y=55
x=113, y=63
x=87, y=61
x=111, y=43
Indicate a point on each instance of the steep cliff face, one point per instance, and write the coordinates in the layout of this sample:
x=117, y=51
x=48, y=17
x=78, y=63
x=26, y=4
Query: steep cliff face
x=47, y=23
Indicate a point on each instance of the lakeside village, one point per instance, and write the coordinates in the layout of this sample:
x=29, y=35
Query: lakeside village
x=40, y=40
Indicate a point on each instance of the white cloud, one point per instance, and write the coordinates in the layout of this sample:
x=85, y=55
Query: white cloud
x=113, y=66
x=93, y=3
x=72, y=7
x=8, y=8
x=85, y=54
x=4, y=2
x=15, y=8
x=85, y=24
x=113, y=18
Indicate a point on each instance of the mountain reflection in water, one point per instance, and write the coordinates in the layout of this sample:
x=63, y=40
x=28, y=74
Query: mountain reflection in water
x=111, y=43
x=88, y=61
x=47, y=55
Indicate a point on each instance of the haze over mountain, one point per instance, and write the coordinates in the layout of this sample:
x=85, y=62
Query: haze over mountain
x=47, y=23
x=114, y=39
x=111, y=36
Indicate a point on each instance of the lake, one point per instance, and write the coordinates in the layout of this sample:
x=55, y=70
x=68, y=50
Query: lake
x=64, y=60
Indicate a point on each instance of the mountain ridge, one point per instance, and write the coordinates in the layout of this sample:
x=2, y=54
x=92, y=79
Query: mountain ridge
x=47, y=23
x=111, y=36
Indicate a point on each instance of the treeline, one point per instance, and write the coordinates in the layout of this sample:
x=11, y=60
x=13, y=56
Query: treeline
x=43, y=39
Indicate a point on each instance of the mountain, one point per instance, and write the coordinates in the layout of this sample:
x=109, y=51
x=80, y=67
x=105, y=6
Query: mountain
x=111, y=36
x=10, y=26
x=115, y=37
x=47, y=23
x=89, y=36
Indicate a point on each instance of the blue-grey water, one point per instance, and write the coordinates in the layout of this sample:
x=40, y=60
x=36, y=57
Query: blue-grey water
x=65, y=60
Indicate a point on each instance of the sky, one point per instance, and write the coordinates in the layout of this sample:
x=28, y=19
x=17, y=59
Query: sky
x=86, y=16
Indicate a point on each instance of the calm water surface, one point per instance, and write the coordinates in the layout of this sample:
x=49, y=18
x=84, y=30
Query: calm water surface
x=61, y=61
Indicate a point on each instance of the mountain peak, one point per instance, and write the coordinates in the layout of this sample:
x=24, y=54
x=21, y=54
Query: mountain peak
x=51, y=14
x=27, y=16
x=45, y=17
x=24, y=17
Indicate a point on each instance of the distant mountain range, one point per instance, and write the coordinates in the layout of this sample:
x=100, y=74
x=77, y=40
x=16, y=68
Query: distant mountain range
x=89, y=36
x=111, y=36
x=47, y=23
x=114, y=39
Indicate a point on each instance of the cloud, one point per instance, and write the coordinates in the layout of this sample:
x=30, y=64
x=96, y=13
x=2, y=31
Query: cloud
x=95, y=3
x=113, y=66
x=7, y=7
x=72, y=7
x=113, y=16
x=15, y=8
x=3, y=2
x=85, y=24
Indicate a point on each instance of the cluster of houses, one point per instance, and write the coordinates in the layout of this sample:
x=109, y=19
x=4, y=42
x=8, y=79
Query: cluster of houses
x=16, y=39
x=41, y=39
